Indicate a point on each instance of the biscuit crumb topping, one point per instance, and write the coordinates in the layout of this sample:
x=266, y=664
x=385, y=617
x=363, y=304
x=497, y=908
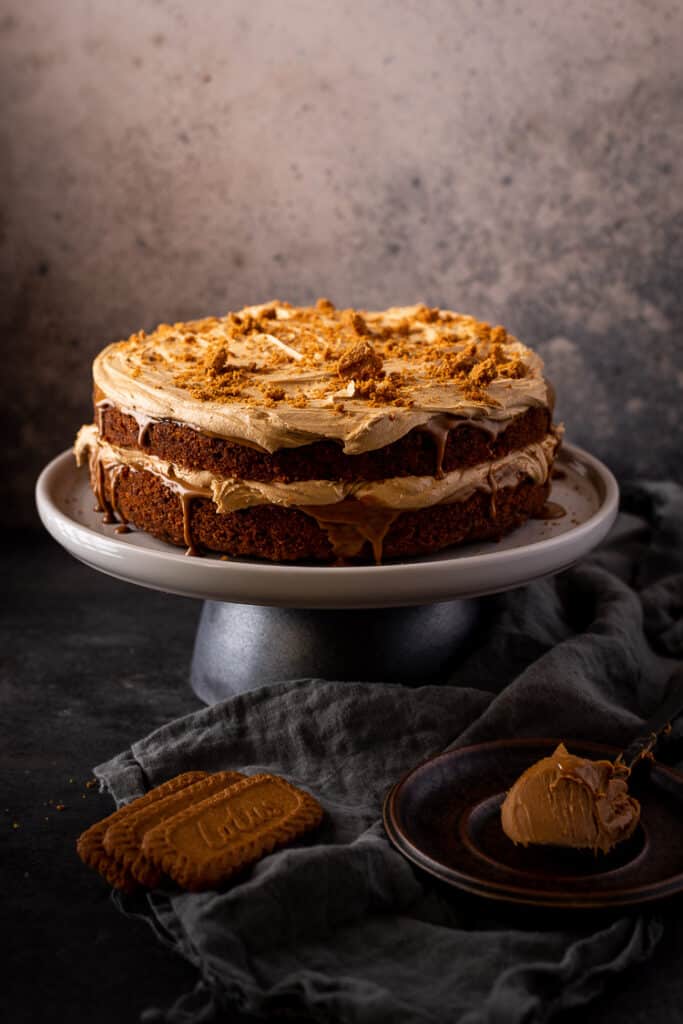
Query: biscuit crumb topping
x=277, y=354
x=359, y=362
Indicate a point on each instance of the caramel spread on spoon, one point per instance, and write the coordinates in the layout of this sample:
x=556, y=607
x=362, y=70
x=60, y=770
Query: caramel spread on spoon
x=565, y=800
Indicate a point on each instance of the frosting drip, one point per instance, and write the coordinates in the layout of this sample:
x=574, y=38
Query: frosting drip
x=104, y=464
x=350, y=524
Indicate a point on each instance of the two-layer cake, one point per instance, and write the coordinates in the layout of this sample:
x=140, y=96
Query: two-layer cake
x=321, y=435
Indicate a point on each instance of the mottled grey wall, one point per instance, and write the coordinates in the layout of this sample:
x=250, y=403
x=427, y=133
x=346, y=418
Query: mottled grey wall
x=520, y=161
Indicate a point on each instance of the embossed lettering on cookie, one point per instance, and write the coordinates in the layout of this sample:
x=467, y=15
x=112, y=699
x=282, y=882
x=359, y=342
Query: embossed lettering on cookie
x=198, y=830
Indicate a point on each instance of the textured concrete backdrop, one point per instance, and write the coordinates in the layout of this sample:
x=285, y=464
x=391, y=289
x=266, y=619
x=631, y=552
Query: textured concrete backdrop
x=520, y=161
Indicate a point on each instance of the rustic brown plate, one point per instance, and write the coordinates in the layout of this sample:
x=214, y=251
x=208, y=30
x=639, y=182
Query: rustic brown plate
x=444, y=816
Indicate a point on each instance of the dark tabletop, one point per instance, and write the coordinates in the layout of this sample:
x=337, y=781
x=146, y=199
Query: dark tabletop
x=89, y=665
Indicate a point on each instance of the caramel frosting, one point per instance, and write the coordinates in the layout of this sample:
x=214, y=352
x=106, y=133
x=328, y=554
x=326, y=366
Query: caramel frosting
x=278, y=376
x=400, y=493
x=565, y=800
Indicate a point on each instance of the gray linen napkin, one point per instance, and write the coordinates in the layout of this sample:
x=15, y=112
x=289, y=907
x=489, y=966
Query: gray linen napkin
x=340, y=927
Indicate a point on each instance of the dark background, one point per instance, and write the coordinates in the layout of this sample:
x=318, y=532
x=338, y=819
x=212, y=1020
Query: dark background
x=522, y=162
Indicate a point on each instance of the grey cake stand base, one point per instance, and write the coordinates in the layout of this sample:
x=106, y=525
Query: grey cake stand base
x=241, y=647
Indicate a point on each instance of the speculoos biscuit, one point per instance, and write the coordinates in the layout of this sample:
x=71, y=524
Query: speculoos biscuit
x=124, y=837
x=91, y=844
x=203, y=845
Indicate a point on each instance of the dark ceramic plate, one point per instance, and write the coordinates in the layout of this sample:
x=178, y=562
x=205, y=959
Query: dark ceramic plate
x=444, y=816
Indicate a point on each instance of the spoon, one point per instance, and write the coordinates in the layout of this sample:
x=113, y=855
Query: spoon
x=657, y=726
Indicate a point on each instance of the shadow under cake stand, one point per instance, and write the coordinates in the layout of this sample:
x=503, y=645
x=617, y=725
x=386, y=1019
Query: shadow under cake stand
x=401, y=622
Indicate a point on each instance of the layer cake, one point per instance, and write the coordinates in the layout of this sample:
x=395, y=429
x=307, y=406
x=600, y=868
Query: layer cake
x=321, y=435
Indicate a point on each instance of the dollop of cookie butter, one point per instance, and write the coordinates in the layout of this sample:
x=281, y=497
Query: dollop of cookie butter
x=565, y=800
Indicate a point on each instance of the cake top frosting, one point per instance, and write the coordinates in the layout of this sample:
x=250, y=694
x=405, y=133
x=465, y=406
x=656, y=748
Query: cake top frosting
x=279, y=376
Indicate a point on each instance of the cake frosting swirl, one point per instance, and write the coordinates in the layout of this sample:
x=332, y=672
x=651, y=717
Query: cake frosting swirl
x=274, y=375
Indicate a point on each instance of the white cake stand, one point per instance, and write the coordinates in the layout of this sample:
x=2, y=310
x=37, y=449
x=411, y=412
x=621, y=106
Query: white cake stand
x=400, y=622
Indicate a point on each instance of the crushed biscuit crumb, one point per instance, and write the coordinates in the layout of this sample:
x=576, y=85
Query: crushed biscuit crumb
x=358, y=323
x=359, y=362
x=246, y=356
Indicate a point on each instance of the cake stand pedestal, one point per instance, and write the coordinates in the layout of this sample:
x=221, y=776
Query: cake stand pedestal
x=412, y=645
x=401, y=622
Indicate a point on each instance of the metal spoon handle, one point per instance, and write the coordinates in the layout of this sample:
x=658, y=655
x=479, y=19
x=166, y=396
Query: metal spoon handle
x=660, y=722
